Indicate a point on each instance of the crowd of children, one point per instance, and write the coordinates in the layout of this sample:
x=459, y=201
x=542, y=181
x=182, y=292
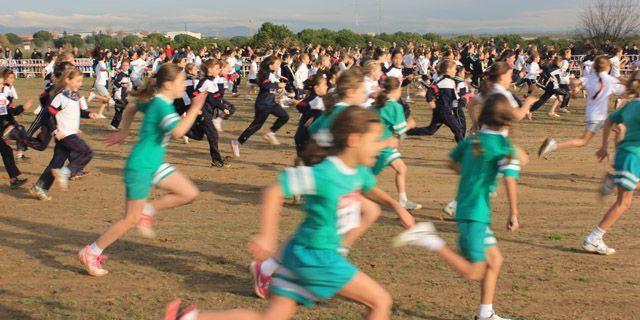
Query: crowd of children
x=351, y=125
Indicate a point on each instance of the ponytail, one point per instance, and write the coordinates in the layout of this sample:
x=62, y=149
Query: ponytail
x=390, y=85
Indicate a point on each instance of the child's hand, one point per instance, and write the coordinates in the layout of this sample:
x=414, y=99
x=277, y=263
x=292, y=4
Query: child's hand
x=407, y=220
x=261, y=247
x=116, y=138
x=512, y=224
x=226, y=111
x=309, y=122
x=93, y=115
x=393, y=143
x=602, y=154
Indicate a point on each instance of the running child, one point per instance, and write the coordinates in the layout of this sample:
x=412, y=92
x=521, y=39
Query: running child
x=11, y=94
x=121, y=87
x=310, y=108
x=599, y=86
x=312, y=270
x=9, y=126
x=252, y=76
x=395, y=126
x=145, y=167
x=626, y=166
x=66, y=108
x=479, y=159
x=265, y=105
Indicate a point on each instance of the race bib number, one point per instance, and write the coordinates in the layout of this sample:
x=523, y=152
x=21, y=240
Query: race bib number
x=4, y=110
x=349, y=212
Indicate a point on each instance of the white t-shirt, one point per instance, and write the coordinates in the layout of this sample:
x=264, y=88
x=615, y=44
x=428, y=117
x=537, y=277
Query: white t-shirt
x=156, y=65
x=615, y=67
x=370, y=87
x=409, y=60
x=587, y=66
x=68, y=116
x=424, y=64
x=302, y=74
x=209, y=86
x=598, y=107
x=49, y=68
x=102, y=75
x=253, y=70
x=137, y=70
x=317, y=104
x=4, y=104
x=10, y=91
x=233, y=63
x=520, y=63
x=533, y=71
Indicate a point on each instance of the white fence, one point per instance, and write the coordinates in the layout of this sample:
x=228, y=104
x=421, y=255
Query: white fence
x=32, y=68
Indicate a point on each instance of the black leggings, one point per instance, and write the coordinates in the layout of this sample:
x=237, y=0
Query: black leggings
x=204, y=126
x=301, y=138
x=71, y=148
x=260, y=117
x=441, y=117
x=548, y=92
x=8, y=159
x=117, y=116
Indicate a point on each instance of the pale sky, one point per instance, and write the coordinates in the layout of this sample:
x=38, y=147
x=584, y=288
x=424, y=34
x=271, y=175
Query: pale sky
x=450, y=16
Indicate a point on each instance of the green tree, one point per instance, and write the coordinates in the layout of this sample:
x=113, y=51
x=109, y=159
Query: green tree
x=131, y=40
x=348, y=39
x=157, y=39
x=40, y=38
x=271, y=34
x=4, y=42
x=103, y=41
x=73, y=41
x=184, y=40
x=240, y=41
x=13, y=38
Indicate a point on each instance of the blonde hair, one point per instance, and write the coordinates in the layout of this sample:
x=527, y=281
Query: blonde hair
x=168, y=72
x=61, y=84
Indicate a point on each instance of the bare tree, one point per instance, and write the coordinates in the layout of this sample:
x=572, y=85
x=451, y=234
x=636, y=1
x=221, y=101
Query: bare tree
x=611, y=19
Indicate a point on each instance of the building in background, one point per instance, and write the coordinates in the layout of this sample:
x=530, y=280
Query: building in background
x=173, y=34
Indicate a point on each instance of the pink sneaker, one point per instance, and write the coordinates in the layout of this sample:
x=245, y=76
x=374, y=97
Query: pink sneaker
x=173, y=312
x=260, y=280
x=92, y=262
x=145, y=226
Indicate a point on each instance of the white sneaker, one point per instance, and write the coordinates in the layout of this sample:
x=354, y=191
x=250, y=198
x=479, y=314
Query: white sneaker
x=285, y=102
x=217, y=123
x=247, y=97
x=548, y=146
x=423, y=234
x=407, y=99
x=112, y=102
x=62, y=177
x=450, y=208
x=493, y=317
x=92, y=96
x=185, y=139
x=597, y=246
x=411, y=205
x=100, y=116
x=422, y=94
x=235, y=145
x=271, y=138
x=112, y=128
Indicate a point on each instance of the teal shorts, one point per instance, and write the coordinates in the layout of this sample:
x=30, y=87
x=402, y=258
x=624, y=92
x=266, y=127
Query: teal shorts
x=627, y=169
x=138, y=184
x=384, y=159
x=311, y=275
x=473, y=238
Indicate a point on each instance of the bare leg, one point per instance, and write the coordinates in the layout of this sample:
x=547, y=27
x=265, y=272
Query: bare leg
x=366, y=291
x=468, y=270
x=181, y=191
x=577, y=143
x=280, y=308
x=118, y=229
x=401, y=174
x=622, y=205
x=488, y=287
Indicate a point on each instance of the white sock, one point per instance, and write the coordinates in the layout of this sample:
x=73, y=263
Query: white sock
x=596, y=233
x=149, y=210
x=402, y=198
x=486, y=310
x=269, y=266
x=94, y=249
x=431, y=242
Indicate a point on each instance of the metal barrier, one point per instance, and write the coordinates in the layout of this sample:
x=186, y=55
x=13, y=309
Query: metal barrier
x=32, y=68
x=625, y=68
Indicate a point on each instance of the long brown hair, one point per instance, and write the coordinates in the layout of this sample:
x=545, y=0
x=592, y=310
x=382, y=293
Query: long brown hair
x=390, y=85
x=168, y=72
x=61, y=84
x=350, y=79
x=492, y=75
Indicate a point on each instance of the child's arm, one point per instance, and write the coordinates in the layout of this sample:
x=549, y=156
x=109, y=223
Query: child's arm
x=378, y=196
x=603, y=152
x=263, y=245
x=127, y=118
x=512, y=185
x=187, y=121
x=455, y=166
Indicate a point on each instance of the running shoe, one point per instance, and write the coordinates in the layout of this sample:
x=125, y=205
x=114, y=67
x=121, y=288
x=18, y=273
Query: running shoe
x=92, y=263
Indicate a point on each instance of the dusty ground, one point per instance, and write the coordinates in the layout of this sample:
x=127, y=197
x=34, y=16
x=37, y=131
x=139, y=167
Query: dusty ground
x=200, y=255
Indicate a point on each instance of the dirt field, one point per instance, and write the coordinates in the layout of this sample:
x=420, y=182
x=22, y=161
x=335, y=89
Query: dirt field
x=201, y=253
